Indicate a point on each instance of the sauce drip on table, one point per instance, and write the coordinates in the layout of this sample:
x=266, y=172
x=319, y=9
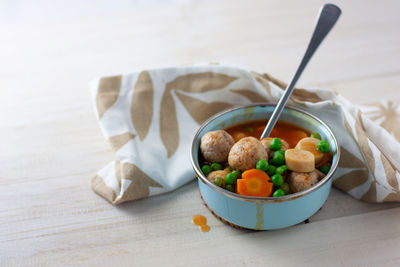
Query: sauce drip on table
x=201, y=221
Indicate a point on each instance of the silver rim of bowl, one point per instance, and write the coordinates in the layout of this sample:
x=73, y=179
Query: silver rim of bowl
x=227, y=193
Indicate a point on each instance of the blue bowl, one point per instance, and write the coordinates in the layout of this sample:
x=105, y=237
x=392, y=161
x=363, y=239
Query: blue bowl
x=264, y=213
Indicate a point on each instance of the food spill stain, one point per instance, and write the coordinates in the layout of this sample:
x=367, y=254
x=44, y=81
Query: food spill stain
x=201, y=221
x=260, y=216
x=205, y=228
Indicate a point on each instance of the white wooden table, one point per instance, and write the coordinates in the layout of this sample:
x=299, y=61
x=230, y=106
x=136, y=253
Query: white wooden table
x=51, y=145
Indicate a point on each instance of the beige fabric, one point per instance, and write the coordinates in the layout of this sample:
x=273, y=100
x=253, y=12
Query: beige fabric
x=150, y=118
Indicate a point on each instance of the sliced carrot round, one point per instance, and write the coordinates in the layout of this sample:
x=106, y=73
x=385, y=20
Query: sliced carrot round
x=254, y=182
x=255, y=173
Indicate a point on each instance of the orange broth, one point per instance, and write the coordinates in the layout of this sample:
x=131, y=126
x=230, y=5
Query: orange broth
x=287, y=131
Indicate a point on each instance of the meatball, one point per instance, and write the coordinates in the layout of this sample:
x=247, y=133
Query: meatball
x=300, y=181
x=267, y=140
x=222, y=173
x=215, y=146
x=245, y=153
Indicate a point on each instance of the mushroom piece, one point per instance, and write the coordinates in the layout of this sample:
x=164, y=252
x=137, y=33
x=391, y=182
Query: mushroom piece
x=215, y=146
x=245, y=153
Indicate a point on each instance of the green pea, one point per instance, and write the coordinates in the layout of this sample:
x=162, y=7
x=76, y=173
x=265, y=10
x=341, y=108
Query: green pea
x=278, y=159
x=278, y=193
x=281, y=151
x=216, y=166
x=316, y=135
x=262, y=164
x=206, y=169
x=230, y=178
x=218, y=181
x=275, y=144
x=325, y=169
x=286, y=188
x=237, y=173
x=323, y=146
x=271, y=170
x=281, y=169
x=229, y=187
x=277, y=180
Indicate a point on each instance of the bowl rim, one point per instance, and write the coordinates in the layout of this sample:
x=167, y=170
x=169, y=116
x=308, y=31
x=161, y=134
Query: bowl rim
x=294, y=196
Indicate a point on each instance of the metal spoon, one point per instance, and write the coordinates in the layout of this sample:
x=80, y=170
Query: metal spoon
x=327, y=18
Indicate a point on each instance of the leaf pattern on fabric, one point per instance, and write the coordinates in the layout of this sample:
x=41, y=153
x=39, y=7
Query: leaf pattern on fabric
x=250, y=95
x=302, y=95
x=351, y=180
x=387, y=114
x=120, y=182
x=349, y=160
x=98, y=186
x=348, y=128
x=118, y=141
x=140, y=182
x=169, y=131
x=117, y=171
x=392, y=197
x=200, y=82
x=107, y=93
x=390, y=172
x=370, y=195
x=277, y=82
x=142, y=104
x=299, y=95
x=367, y=154
x=364, y=146
x=263, y=81
x=200, y=110
x=194, y=83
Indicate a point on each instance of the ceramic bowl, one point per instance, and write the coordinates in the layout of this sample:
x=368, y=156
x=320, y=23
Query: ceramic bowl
x=264, y=213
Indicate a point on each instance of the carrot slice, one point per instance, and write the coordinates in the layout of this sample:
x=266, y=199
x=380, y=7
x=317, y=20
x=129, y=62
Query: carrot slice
x=254, y=183
x=255, y=173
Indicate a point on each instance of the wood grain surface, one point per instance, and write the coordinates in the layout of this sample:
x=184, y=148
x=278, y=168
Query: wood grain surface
x=51, y=145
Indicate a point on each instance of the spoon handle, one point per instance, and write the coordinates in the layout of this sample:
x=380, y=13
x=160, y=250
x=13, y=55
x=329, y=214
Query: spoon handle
x=327, y=18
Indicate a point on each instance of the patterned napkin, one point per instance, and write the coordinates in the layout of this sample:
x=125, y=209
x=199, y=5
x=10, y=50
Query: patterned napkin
x=150, y=118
